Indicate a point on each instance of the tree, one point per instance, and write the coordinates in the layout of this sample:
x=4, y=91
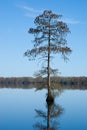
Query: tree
x=50, y=38
x=50, y=118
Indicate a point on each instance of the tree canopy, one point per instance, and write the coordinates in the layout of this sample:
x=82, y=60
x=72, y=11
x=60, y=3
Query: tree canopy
x=50, y=35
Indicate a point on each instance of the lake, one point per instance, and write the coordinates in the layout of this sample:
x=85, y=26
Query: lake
x=26, y=109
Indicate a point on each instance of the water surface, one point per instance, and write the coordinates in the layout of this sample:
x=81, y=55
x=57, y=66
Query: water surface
x=26, y=109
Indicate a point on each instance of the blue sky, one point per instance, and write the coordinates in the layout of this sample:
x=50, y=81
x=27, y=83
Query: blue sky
x=17, y=16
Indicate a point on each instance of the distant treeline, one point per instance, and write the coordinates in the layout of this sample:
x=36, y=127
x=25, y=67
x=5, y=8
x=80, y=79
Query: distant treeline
x=29, y=82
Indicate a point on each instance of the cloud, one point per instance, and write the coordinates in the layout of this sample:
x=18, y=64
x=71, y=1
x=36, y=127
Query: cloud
x=31, y=9
x=31, y=12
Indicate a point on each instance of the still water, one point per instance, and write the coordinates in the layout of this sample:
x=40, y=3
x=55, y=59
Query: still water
x=26, y=109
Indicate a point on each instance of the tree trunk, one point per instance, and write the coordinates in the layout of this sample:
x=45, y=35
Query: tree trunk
x=49, y=97
x=48, y=82
x=49, y=89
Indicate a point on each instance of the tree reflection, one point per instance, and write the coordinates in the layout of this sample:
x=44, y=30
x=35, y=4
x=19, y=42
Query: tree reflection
x=50, y=117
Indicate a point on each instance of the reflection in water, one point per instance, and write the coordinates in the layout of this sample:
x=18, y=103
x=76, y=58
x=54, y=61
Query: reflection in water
x=17, y=112
x=49, y=121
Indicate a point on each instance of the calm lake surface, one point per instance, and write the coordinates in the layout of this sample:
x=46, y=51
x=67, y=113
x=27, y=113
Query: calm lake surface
x=26, y=109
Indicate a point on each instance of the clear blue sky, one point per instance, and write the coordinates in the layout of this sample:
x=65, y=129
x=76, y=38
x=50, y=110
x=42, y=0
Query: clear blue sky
x=17, y=16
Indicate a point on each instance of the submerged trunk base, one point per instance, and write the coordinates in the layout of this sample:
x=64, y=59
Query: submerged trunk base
x=50, y=99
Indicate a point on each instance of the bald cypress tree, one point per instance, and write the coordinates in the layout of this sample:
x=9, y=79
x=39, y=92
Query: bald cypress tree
x=49, y=39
